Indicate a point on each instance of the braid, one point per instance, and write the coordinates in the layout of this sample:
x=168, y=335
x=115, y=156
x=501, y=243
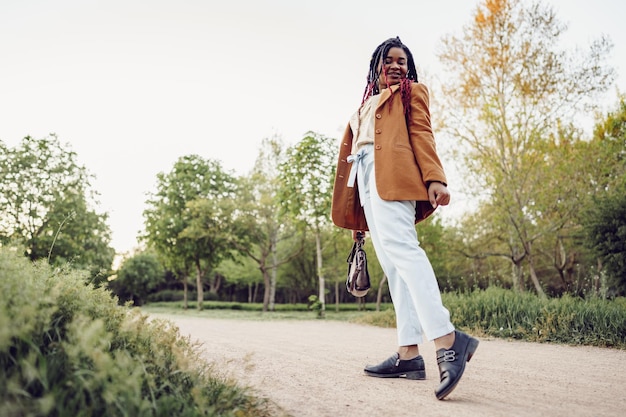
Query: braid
x=373, y=76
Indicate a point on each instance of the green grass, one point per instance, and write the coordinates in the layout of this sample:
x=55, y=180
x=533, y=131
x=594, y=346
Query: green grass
x=493, y=312
x=254, y=311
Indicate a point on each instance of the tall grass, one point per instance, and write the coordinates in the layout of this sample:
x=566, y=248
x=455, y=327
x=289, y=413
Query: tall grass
x=68, y=349
x=499, y=312
x=509, y=314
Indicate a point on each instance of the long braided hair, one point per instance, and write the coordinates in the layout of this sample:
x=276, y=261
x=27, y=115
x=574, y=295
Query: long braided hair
x=374, y=74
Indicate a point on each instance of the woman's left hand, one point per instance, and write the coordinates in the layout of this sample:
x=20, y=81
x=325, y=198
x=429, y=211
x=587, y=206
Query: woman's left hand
x=438, y=194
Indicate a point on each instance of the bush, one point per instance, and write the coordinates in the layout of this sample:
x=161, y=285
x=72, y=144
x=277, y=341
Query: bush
x=68, y=349
x=171, y=295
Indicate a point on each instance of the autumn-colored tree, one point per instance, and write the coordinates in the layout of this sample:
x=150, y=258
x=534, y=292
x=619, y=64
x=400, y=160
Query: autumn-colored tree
x=510, y=86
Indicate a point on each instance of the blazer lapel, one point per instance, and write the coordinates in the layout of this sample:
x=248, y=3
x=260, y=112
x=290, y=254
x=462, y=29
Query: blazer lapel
x=386, y=94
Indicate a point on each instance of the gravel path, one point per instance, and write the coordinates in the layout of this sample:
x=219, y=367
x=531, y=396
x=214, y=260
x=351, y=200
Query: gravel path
x=315, y=368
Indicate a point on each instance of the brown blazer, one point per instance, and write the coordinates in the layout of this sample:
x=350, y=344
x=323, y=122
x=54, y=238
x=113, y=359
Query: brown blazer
x=405, y=159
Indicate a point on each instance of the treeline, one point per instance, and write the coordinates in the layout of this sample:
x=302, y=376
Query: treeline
x=550, y=198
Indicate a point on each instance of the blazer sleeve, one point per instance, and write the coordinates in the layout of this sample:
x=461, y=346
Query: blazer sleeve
x=422, y=138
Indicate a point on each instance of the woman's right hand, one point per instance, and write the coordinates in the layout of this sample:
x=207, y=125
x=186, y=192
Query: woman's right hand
x=355, y=237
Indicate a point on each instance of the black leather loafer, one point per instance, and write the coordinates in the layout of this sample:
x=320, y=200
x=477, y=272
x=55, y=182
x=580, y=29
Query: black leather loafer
x=452, y=362
x=394, y=367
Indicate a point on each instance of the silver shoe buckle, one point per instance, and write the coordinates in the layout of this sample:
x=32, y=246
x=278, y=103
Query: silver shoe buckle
x=449, y=356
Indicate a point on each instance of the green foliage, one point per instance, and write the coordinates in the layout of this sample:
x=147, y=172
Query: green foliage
x=307, y=176
x=243, y=270
x=499, y=312
x=268, y=230
x=191, y=220
x=605, y=225
x=604, y=219
x=45, y=205
x=306, y=191
x=299, y=276
x=504, y=313
x=68, y=349
x=383, y=318
x=516, y=136
x=316, y=306
x=609, y=147
x=212, y=308
x=137, y=277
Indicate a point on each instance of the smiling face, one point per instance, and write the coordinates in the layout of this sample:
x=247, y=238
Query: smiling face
x=392, y=68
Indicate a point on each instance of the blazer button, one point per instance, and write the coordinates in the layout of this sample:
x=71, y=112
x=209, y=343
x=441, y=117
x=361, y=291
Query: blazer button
x=378, y=147
x=378, y=130
x=378, y=115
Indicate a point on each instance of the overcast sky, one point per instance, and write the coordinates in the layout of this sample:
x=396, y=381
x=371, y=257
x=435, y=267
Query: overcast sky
x=133, y=85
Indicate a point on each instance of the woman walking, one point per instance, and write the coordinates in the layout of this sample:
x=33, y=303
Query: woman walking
x=389, y=177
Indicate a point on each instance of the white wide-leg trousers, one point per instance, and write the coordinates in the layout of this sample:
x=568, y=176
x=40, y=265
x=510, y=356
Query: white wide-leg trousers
x=414, y=289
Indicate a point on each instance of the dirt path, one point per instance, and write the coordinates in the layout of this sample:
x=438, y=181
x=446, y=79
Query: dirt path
x=315, y=368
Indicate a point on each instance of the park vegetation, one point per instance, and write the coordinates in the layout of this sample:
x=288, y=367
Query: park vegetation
x=541, y=255
x=69, y=349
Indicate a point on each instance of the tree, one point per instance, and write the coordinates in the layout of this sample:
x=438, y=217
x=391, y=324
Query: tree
x=606, y=153
x=511, y=87
x=299, y=277
x=258, y=200
x=604, y=218
x=190, y=219
x=307, y=176
x=77, y=235
x=606, y=230
x=137, y=277
x=214, y=232
x=46, y=203
x=242, y=271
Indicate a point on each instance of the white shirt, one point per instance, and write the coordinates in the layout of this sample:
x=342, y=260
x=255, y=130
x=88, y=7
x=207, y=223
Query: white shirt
x=362, y=123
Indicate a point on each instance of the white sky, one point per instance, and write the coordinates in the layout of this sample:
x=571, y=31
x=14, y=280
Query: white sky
x=132, y=85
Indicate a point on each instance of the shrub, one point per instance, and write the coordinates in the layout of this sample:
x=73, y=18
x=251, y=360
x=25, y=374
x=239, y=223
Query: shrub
x=68, y=349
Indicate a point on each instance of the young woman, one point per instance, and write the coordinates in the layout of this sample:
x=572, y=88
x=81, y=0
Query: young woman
x=389, y=177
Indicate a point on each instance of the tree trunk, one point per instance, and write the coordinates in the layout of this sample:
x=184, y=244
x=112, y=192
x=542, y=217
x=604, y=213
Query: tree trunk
x=322, y=288
x=517, y=276
x=185, y=293
x=379, y=296
x=199, y=286
x=564, y=264
x=598, y=281
x=533, y=273
x=266, y=291
x=337, y=296
x=535, y=280
x=273, y=277
x=216, y=283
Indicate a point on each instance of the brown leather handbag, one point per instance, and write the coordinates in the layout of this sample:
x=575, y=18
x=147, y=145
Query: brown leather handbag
x=358, y=281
